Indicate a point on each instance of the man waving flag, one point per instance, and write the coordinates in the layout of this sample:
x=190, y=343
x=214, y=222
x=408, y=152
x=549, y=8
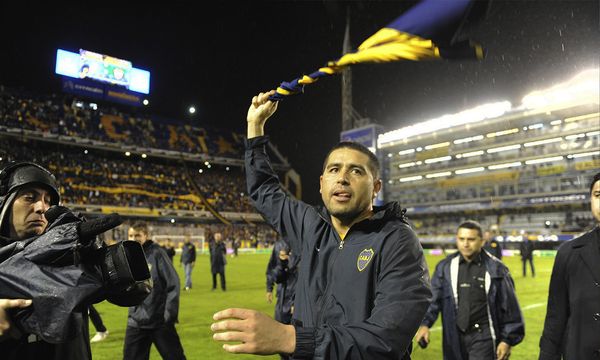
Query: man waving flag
x=427, y=31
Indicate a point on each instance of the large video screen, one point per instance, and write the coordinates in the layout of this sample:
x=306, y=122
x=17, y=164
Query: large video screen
x=90, y=65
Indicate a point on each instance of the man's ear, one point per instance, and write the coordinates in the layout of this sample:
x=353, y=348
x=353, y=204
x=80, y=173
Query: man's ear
x=376, y=187
x=321, y=184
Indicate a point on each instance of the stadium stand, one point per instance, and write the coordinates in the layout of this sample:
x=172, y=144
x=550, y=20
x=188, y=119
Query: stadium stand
x=142, y=166
x=524, y=168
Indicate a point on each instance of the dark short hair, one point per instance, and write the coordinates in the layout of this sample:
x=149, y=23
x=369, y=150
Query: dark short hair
x=473, y=225
x=373, y=161
x=594, y=181
x=141, y=226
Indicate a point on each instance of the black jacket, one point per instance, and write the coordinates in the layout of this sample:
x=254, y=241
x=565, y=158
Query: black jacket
x=504, y=313
x=526, y=248
x=218, y=260
x=362, y=298
x=283, y=273
x=162, y=305
x=572, y=326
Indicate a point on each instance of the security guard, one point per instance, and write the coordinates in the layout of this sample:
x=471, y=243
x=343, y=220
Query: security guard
x=475, y=294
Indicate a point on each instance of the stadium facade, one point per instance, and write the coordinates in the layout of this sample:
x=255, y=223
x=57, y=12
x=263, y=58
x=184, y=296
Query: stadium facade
x=525, y=167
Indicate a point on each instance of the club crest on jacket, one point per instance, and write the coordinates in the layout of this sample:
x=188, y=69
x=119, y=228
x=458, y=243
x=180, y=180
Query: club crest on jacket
x=364, y=258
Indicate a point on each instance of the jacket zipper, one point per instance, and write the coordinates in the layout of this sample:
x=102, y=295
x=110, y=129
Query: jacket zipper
x=329, y=272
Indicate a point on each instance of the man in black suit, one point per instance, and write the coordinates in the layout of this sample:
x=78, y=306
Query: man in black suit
x=527, y=248
x=573, y=317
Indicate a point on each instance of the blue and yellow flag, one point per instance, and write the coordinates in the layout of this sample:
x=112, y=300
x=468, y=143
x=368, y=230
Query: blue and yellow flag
x=426, y=31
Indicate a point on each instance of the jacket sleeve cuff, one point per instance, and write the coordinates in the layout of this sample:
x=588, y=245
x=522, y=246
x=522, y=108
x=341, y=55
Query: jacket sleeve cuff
x=256, y=142
x=305, y=343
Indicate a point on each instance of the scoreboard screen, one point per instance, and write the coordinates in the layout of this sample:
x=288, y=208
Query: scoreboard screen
x=91, y=65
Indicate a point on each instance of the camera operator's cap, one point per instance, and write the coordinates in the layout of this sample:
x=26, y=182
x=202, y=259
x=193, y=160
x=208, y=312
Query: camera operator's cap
x=19, y=174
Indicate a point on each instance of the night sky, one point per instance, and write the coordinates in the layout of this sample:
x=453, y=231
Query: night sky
x=217, y=56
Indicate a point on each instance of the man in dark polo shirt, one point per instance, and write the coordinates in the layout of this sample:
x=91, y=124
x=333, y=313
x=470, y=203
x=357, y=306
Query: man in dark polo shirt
x=476, y=295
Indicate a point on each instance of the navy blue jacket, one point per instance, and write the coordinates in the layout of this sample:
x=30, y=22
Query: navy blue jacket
x=504, y=313
x=572, y=326
x=277, y=247
x=188, y=253
x=162, y=305
x=360, y=298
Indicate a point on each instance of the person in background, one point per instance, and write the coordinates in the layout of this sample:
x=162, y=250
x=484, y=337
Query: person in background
x=527, y=248
x=153, y=321
x=188, y=259
x=218, y=260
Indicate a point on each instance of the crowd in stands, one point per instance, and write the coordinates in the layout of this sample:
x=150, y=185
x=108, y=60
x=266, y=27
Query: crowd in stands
x=94, y=178
x=64, y=115
x=105, y=178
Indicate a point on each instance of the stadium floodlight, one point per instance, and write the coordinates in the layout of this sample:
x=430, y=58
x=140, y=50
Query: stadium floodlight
x=436, y=146
x=206, y=163
x=574, y=136
x=172, y=221
x=581, y=89
x=542, y=142
x=575, y=156
x=543, y=160
x=405, y=165
x=200, y=171
x=468, y=139
x=411, y=178
x=476, y=114
x=84, y=151
x=555, y=122
x=127, y=153
x=227, y=168
x=192, y=109
x=438, y=159
x=440, y=174
x=389, y=155
x=94, y=106
x=472, y=153
x=144, y=156
x=535, y=126
x=502, y=133
x=406, y=152
x=505, y=165
x=146, y=102
x=469, y=170
x=581, y=117
x=504, y=148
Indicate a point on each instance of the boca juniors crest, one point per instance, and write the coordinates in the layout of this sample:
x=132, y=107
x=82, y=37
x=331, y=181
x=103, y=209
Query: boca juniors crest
x=364, y=258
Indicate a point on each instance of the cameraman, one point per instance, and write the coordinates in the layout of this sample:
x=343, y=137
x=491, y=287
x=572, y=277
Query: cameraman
x=27, y=191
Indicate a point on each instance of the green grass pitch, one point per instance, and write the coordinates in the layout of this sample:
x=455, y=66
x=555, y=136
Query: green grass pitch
x=246, y=288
